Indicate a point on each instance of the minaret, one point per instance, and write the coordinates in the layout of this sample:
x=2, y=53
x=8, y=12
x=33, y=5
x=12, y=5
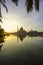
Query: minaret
x=17, y=28
x=17, y=36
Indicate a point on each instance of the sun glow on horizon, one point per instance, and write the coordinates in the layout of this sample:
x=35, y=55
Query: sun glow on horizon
x=9, y=26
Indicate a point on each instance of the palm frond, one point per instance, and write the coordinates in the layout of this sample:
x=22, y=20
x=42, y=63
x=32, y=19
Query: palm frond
x=29, y=5
x=15, y=1
x=4, y=6
x=0, y=11
x=0, y=15
x=0, y=20
x=4, y=1
x=37, y=5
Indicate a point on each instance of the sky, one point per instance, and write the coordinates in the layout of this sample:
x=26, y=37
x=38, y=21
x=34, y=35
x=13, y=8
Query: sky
x=18, y=16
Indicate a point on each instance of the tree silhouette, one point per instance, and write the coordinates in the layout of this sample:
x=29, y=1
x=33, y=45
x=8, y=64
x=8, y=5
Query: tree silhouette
x=29, y=5
x=2, y=2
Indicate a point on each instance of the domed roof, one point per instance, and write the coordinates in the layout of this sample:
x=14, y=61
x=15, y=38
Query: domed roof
x=21, y=28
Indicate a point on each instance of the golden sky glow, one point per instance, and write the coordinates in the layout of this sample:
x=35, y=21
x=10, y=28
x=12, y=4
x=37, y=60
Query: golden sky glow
x=9, y=25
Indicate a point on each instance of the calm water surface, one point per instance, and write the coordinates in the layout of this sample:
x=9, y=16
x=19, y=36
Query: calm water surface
x=15, y=50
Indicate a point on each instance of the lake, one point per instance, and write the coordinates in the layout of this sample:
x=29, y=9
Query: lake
x=14, y=50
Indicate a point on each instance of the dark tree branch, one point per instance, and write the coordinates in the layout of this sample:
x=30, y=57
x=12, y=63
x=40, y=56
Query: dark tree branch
x=4, y=6
x=15, y=1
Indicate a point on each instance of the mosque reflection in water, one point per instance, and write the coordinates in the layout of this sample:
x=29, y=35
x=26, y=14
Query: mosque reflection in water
x=20, y=34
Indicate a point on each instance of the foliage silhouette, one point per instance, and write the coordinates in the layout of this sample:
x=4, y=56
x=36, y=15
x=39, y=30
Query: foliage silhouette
x=2, y=2
x=29, y=4
x=37, y=5
x=1, y=46
x=1, y=42
x=15, y=1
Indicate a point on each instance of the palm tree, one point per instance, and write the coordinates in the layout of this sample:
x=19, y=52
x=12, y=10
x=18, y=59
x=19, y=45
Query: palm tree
x=2, y=2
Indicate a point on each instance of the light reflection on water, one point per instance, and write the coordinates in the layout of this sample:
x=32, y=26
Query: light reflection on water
x=30, y=48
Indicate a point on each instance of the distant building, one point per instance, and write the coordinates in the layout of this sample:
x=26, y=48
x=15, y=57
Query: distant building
x=21, y=29
x=21, y=32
